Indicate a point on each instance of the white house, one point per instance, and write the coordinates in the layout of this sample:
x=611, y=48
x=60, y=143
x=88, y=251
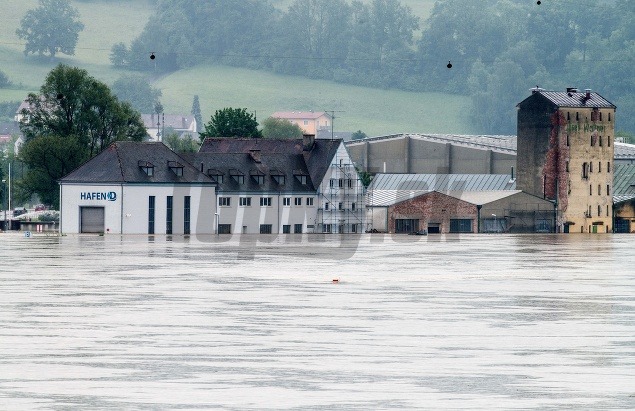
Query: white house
x=157, y=124
x=283, y=186
x=137, y=188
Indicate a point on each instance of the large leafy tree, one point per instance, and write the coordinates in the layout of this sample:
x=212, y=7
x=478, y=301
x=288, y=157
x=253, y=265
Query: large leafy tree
x=137, y=91
x=51, y=28
x=274, y=127
x=71, y=119
x=232, y=122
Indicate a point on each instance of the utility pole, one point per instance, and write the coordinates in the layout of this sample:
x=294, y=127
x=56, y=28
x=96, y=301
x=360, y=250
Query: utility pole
x=332, y=112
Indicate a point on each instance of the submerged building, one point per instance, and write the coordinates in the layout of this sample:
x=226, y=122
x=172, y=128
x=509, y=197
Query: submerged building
x=565, y=154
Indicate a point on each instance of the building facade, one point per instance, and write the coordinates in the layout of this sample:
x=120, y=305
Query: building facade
x=311, y=122
x=137, y=188
x=565, y=154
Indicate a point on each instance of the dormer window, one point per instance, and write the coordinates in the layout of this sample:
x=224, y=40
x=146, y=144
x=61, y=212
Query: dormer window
x=215, y=175
x=237, y=176
x=257, y=176
x=278, y=177
x=176, y=168
x=147, y=167
x=301, y=177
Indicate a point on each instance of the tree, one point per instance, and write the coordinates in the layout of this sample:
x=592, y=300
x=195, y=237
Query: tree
x=196, y=112
x=137, y=91
x=358, y=135
x=231, y=122
x=50, y=28
x=180, y=144
x=120, y=55
x=280, y=128
x=72, y=119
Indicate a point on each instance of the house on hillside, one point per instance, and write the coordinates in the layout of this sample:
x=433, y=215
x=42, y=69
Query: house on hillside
x=311, y=122
x=283, y=186
x=566, y=155
x=157, y=124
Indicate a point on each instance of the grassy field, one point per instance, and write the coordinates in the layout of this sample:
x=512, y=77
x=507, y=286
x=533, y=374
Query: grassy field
x=108, y=22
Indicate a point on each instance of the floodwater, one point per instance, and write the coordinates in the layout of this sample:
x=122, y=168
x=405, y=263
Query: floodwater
x=257, y=322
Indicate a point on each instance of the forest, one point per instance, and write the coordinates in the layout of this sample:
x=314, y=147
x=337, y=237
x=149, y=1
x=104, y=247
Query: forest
x=493, y=51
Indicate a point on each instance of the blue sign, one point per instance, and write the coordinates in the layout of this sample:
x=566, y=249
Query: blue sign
x=105, y=196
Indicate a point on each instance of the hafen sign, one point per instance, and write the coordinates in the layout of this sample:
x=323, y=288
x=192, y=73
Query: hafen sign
x=105, y=196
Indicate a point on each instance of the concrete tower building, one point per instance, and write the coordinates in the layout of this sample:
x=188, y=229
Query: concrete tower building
x=565, y=154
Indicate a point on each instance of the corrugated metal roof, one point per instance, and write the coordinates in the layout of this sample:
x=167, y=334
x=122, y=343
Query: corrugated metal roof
x=624, y=179
x=388, y=189
x=624, y=151
x=623, y=198
x=443, y=182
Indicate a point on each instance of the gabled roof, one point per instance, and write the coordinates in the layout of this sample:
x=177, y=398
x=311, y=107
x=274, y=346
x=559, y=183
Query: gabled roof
x=389, y=189
x=122, y=162
x=573, y=99
x=281, y=155
x=310, y=115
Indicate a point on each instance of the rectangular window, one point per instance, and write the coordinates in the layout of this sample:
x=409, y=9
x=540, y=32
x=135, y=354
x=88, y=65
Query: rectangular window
x=608, y=190
x=340, y=206
x=298, y=201
x=326, y=206
x=567, y=140
x=406, y=225
x=353, y=206
x=168, y=215
x=600, y=141
x=460, y=225
x=599, y=166
x=590, y=189
x=354, y=228
x=265, y=228
x=259, y=179
x=599, y=211
x=239, y=178
x=309, y=201
x=350, y=183
x=608, y=141
x=301, y=179
x=297, y=228
x=590, y=167
x=186, y=215
x=340, y=183
x=286, y=201
x=607, y=210
x=151, y=200
x=224, y=229
x=585, y=170
x=224, y=201
x=608, y=166
x=306, y=122
x=265, y=201
x=245, y=201
x=567, y=166
x=332, y=183
x=599, y=189
x=286, y=229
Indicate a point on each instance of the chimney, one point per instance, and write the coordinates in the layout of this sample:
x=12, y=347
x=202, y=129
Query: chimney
x=255, y=155
x=587, y=93
x=308, y=140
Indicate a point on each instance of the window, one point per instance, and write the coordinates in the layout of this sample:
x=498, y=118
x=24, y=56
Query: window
x=340, y=206
x=608, y=190
x=279, y=179
x=340, y=183
x=215, y=175
x=301, y=178
x=258, y=178
x=297, y=228
x=353, y=228
x=265, y=228
x=585, y=170
x=186, y=215
x=600, y=141
x=600, y=116
x=148, y=170
x=567, y=140
x=590, y=167
x=607, y=211
x=265, y=201
x=151, y=200
x=577, y=116
x=567, y=166
x=593, y=141
x=286, y=201
x=590, y=189
x=608, y=141
x=609, y=116
x=332, y=183
x=599, y=166
x=326, y=228
x=298, y=201
x=406, y=225
x=353, y=206
x=245, y=201
x=599, y=211
x=240, y=179
x=306, y=122
x=568, y=116
x=608, y=166
x=168, y=215
x=309, y=201
x=286, y=229
x=460, y=225
x=224, y=229
x=599, y=189
x=350, y=183
x=326, y=206
x=224, y=201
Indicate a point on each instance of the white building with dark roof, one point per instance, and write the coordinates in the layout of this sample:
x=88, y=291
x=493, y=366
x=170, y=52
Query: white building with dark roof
x=137, y=188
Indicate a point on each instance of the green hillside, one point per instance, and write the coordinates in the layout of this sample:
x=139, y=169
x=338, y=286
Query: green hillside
x=108, y=22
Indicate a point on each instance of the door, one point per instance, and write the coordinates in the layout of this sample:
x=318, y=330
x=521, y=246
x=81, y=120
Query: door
x=91, y=219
